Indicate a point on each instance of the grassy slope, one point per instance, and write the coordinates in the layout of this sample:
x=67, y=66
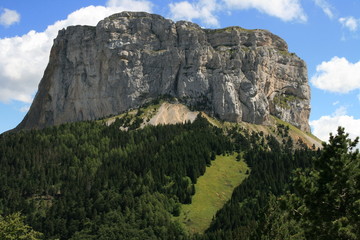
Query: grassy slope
x=216, y=186
x=296, y=133
x=213, y=189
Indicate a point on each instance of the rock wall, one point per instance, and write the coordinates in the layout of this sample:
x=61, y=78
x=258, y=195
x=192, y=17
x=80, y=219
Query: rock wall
x=130, y=58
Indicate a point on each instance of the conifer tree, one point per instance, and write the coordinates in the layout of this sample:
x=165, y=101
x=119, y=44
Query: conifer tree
x=330, y=192
x=13, y=227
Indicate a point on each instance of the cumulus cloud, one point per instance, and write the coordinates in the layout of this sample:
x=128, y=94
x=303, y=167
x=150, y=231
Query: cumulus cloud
x=23, y=58
x=203, y=10
x=206, y=10
x=286, y=10
x=325, y=125
x=350, y=23
x=326, y=7
x=9, y=17
x=337, y=75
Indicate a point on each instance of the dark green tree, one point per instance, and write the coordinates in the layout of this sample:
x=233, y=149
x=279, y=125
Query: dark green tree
x=330, y=192
x=278, y=222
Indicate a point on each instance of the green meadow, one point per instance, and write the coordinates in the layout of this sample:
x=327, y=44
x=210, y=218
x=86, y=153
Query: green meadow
x=213, y=189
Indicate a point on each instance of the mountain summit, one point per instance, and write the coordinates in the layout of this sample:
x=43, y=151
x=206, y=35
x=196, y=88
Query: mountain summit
x=130, y=58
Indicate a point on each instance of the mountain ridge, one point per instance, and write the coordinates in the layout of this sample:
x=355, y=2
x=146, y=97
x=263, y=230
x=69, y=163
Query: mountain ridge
x=131, y=58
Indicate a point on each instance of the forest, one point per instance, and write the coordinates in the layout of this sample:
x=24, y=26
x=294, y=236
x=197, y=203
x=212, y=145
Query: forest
x=86, y=180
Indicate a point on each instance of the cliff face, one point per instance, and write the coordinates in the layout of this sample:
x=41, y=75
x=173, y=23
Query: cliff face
x=130, y=58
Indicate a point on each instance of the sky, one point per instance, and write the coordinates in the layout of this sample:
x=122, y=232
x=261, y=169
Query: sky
x=324, y=33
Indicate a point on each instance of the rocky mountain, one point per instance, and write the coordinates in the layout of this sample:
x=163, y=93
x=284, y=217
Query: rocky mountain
x=130, y=58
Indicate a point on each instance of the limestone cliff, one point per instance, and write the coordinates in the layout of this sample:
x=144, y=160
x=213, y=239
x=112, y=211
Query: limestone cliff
x=132, y=57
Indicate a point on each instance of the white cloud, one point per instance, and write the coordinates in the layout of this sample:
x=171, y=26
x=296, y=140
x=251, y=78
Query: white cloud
x=9, y=17
x=206, y=10
x=23, y=58
x=337, y=75
x=286, y=10
x=350, y=22
x=326, y=7
x=203, y=10
x=329, y=124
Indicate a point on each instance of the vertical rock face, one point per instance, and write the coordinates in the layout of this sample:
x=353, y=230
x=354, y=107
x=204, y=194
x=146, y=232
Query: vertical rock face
x=130, y=58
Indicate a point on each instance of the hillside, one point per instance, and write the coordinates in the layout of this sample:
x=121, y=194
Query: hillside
x=212, y=191
x=123, y=178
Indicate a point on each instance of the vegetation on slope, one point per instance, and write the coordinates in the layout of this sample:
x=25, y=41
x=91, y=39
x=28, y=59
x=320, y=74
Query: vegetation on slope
x=325, y=199
x=91, y=181
x=212, y=191
x=271, y=164
x=307, y=138
x=86, y=180
x=13, y=227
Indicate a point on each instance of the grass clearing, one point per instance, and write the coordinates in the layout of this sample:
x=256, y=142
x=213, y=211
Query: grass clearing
x=212, y=190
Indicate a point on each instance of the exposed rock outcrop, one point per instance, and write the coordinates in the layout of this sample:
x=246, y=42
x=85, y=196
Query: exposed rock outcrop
x=172, y=114
x=132, y=57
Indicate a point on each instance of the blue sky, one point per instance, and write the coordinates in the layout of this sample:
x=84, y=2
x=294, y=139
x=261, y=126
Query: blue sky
x=325, y=33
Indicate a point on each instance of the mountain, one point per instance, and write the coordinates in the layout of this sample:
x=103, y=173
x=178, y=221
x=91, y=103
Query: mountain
x=131, y=58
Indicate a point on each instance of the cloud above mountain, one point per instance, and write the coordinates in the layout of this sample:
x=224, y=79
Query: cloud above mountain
x=23, y=58
x=207, y=10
